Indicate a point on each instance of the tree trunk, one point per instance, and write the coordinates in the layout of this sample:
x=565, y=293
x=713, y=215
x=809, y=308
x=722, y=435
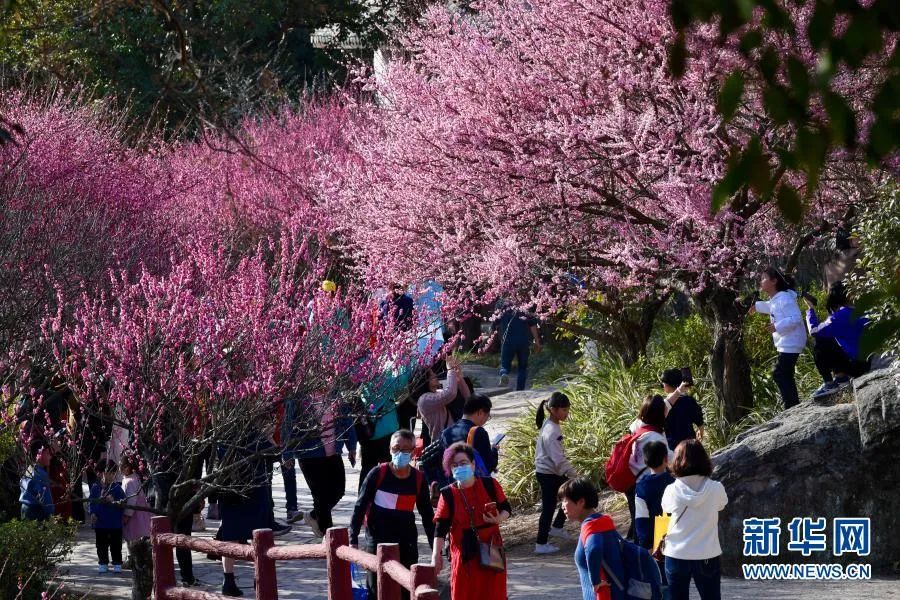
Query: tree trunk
x=622, y=330
x=729, y=365
x=141, y=555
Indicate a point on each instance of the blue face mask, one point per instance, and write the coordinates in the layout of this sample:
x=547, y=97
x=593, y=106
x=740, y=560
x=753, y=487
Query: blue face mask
x=401, y=459
x=463, y=473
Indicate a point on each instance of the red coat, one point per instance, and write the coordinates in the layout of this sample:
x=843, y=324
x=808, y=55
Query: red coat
x=469, y=580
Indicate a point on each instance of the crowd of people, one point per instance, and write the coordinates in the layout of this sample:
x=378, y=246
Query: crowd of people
x=445, y=471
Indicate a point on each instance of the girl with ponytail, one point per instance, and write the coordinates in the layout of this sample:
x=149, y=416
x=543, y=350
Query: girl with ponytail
x=553, y=469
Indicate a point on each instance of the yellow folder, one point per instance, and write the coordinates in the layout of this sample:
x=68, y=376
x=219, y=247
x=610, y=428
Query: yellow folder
x=660, y=528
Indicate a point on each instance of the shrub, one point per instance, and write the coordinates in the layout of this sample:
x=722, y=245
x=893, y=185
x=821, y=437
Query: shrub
x=29, y=552
x=606, y=399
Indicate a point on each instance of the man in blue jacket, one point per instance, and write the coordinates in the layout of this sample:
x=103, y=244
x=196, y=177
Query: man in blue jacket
x=35, y=496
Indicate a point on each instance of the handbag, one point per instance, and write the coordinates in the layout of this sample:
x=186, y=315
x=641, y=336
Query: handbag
x=661, y=547
x=491, y=555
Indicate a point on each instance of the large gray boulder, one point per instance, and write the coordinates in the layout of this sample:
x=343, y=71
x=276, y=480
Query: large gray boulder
x=818, y=460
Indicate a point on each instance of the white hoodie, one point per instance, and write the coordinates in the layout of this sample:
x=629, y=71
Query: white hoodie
x=784, y=313
x=695, y=502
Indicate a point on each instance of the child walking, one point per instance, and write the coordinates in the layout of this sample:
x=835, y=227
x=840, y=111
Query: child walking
x=107, y=518
x=649, y=492
x=553, y=469
x=135, y=523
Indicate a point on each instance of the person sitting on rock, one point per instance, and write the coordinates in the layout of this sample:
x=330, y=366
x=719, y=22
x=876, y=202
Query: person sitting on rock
x=836, y=350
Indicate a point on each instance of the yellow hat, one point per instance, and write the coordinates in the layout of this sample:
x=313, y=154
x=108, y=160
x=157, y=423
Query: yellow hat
x=329, y=286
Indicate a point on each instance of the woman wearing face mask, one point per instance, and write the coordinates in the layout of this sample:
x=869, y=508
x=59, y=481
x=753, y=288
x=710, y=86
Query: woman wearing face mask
x=470, y=503
x=389, y=494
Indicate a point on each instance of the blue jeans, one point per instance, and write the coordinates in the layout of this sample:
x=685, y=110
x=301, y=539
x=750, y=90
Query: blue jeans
x=707, y=575
x=520, y=352
x=290, y=486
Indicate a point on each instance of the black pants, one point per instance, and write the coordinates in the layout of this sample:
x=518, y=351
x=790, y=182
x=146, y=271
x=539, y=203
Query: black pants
x=109, y=541
x=409, y=555
x=630, y=494
x=830, y=358
x=784, y=378
x=163, y=483
x=374, y=452
x=549, y=503
x=325, y=478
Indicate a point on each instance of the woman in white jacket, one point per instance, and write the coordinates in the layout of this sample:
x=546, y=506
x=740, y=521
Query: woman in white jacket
x=787, y=327
x=553, y=469
x=692, y=547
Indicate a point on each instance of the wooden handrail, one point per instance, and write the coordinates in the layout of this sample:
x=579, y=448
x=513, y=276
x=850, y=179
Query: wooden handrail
x=339, y=555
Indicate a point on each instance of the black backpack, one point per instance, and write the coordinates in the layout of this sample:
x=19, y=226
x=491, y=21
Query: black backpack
x=432, y=454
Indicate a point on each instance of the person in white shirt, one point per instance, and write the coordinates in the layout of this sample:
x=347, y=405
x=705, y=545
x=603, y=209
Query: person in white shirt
x=553, y=469
x=692, y=547
x=787, y=327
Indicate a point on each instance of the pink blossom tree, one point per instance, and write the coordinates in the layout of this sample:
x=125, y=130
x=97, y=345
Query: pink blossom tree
x=542, y=151
x=202, y=357
x=74, y=201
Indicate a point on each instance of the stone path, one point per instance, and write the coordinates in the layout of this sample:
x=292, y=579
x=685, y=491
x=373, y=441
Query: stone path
x=530, y=577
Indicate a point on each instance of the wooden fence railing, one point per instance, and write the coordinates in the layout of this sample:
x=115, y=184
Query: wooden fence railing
x=420, y=580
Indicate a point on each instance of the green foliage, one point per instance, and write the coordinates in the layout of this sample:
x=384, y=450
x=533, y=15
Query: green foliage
x=606, y=399
x=876, y=282
x=29, y=553
x=851, y=40
x=179, y=64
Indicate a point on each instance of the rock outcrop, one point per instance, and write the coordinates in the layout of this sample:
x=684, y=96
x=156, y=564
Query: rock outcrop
x=816, y=460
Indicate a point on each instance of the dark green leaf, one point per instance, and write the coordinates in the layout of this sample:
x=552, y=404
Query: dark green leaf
x=788, y=159
x=789, y=203
x=821, y=24
x=730, y=183
x=750, y=40
x=758, y=170
x=678, y=56
x=799, y=78
x=868, y=300
x=812, y=147
x=863, y=37
x=776, y=104
x=680, y=12
x=875, y=335
x=769, y=63
x=730, y=95
x=842, y=120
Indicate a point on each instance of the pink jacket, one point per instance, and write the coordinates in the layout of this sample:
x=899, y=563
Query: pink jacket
x=138, y=524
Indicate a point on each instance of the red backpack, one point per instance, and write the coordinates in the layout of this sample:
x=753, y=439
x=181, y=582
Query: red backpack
x=618, y=474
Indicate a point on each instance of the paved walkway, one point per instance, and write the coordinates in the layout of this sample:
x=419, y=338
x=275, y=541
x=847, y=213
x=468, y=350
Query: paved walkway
x=530, y=577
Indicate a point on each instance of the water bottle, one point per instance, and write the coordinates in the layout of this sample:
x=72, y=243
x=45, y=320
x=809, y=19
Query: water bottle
x=358, y=578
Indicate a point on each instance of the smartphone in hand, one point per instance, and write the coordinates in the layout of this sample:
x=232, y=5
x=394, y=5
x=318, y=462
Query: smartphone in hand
x=491, y=509
x=686, y=376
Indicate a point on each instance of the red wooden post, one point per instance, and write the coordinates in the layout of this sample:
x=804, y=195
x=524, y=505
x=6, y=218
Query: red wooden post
x=424, y=575
x=388, y=589
x=163, y=563
x=263, y=566
x=339, y=585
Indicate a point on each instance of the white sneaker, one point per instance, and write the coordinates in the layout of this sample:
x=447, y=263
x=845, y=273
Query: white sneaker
x=545, y=549
x=102, y=569
x=199, y=523
x=559, y=532
x=313, y=524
